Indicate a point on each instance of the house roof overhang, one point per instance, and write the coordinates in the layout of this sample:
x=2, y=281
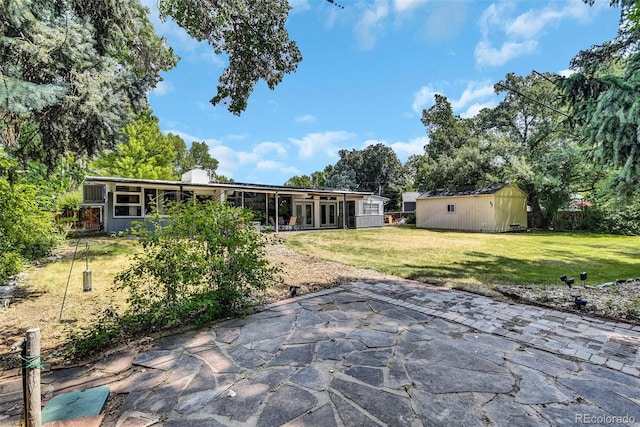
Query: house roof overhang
x=226, y=186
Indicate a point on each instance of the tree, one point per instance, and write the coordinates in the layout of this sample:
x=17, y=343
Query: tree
x=252, y=33
x=317, y=179
x=446, y=131
x=603, y=100
x=320, y=178
x=376, y=169
x=299, y=181
x=196, y=155
x=457, y=154
x=71, y=72
x=147, y=154
x=541, y=153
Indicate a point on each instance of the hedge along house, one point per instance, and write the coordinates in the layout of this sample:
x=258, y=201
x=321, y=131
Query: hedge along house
x=497, y=208
x=122, y=201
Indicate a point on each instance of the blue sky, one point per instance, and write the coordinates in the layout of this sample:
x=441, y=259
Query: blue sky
x=368, y=71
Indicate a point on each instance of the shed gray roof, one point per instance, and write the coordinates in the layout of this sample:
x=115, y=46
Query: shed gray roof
x=464, y=191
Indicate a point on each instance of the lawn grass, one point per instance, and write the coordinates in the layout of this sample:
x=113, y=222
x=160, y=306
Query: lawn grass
x=487, y=259
x=39, y=301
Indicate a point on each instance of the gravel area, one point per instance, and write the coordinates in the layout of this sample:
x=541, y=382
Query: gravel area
x=618, y=300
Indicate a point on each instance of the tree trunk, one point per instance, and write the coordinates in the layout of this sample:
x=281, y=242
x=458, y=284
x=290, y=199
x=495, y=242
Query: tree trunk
x=539, y=218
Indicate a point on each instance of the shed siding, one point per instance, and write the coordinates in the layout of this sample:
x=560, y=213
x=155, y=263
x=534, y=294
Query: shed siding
x=484, y=212
x=471, y=213
x=511, y=204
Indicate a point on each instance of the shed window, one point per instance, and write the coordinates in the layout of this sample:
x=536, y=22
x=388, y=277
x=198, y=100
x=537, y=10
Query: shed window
x=451, y=208
x=369, y=208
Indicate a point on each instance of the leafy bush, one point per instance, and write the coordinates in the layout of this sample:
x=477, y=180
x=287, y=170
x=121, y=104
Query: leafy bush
x=199, y=263
x=411, y=219
x=613, y=219
x=69, y=201
x=10, y=265
x=24, y=227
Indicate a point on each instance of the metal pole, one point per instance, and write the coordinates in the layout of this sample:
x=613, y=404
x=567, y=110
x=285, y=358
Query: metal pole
x=32, y=365
x=277, y=220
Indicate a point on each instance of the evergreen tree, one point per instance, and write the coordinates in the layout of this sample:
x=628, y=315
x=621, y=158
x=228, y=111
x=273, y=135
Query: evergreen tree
x=71, y=72
x=603, y=99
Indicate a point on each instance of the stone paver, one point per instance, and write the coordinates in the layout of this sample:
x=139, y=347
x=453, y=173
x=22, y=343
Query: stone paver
x=375, y=353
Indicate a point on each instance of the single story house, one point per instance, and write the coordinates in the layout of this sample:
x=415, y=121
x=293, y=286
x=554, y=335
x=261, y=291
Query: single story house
x=116, y=202
x=497, y=208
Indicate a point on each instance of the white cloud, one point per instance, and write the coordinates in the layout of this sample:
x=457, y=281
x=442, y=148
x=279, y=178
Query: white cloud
x=493, y=17
x=474, y=90
x=208, y=55
x=368, y=27
x=307, y=118
x=271, y=165
x=190, y=138
x=322, y=143
x=268, y=148
x=486, y=54
x=404, y=5
x=566, y=72
x=163, y=87
x=519, y=34
x=299, y=5
x=227, y=158
x=533, y=22
x=423, y=98
x=475, y=108
x=404, y=149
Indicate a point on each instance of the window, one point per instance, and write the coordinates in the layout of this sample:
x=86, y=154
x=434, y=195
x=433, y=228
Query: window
x=127, y=201
x=369, y=208
x=93, y=193
x=451, y=208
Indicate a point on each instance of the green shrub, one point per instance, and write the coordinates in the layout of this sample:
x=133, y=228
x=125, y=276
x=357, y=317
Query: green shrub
x=198, y=264
x=24, y=227
x=10, y=265
x=411, y=219
x=613, y=219
x=69, y=201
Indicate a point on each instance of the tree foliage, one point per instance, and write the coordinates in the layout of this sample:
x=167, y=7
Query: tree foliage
x=317, y=179
x=71, y=72
x=376, y=169
x=542, y=156
x=299, y=181
x=252, y=33
x=196, y=155
x=602, y=97
x=455, y=156
x=147, y=153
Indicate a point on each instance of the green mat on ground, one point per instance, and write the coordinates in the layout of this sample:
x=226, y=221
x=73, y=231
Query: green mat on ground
x=76, y=404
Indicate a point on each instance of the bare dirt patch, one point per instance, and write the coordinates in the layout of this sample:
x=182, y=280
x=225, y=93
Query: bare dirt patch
x=38, y=305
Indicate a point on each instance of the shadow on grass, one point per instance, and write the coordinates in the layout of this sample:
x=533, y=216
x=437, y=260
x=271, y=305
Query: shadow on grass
x=491, y=270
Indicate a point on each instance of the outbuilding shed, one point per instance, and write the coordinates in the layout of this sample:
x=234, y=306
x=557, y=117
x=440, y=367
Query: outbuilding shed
x=498, y=208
